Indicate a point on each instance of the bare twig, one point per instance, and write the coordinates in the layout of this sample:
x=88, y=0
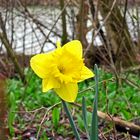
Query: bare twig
x=5, y=41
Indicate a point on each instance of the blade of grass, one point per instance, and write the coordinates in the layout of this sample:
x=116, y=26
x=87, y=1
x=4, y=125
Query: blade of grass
x=84, y=114
x=71, y=120
x=94, y=123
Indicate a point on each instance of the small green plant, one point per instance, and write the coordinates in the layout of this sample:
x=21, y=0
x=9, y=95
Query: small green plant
x=11, y=115
x=56, y=117
x=31, y=98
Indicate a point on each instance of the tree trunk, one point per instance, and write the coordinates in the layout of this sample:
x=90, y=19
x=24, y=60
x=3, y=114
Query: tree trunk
x=117, y=34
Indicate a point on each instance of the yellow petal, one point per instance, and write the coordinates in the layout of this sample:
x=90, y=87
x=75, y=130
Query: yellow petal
x=40, y=64
x=49, y=83
x=86, y=73
x=68, y=92
x=74, y=47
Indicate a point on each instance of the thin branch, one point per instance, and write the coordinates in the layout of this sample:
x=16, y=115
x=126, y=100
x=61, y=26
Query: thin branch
x=5, y=41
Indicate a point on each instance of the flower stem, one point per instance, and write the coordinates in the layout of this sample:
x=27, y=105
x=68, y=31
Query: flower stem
x=71, y=120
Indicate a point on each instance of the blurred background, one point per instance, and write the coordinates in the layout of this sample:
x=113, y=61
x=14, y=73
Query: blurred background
x=108, y=30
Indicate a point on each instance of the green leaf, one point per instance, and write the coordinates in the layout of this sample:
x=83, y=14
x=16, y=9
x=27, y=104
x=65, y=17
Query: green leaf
x=94, y=123
x=11, y=116
x=55, y=117
x=80, y=121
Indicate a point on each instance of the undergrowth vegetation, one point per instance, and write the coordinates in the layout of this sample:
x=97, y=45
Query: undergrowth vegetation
x=30, y=109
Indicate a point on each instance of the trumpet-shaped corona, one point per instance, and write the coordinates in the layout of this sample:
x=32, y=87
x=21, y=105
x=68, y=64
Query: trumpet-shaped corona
x=62, y=69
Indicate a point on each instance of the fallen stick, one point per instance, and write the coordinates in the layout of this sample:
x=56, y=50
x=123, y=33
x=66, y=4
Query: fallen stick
x=123, y=126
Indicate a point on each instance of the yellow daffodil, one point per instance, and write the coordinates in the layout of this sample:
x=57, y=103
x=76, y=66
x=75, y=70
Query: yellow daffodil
x=62, y=69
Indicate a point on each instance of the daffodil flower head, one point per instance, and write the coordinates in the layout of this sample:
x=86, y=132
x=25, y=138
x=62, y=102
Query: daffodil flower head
x=62, y=69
